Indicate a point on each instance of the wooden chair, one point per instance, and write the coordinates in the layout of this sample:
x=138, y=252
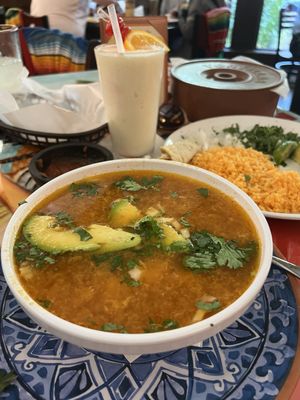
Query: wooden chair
x=29, y=20
x=284, y=58
x=210, y=33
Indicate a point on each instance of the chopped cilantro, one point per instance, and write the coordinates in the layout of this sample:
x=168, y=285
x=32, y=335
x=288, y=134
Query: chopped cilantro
x=166, y=325
x=212, y=251
x=64, y=219
x=130, y=185
x=247, y=178
x=150, y=183
x=84, y=235
x=111, y=327
x=132, y=264
x=84, y=189
x=270, y=140
x=131, y=282
x=100, y=258
x=6, y=378
x=25, y=251
x=184, y=222
x=180, y=246
x=208, y=306
x=116, y=262
x=149, y=228
x=203, y=191
x=174, y=195
x=44, y=303
x=199, y=262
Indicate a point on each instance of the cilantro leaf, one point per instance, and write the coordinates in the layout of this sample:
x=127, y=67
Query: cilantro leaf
x=210, y=250
x=149, y=228
x=208, y=306
x=180, y=246
x=166, y=325
x=62, y=218
x=25, y=251
x=44, y=302
x=129, y=184
x=203, y=191
x=111, y=327
x=184, y=222
x=6, y=378
x=83, y=189
x=83, y=234
x=100, y=258
x=200, y=262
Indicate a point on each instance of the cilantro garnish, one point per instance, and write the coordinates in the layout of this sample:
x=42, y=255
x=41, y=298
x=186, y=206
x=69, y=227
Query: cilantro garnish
x=25, y=251
x=44, y=303
x=247, y=178
x=131, y=185
x=208, y=306
x=111, y=327
x=6, y=378
x=203, y=191
x=84, y=235
x=184, y=222
x=212, y=251
x=270, y=140
x=174, y=195
x=166, y=325
x=84, y=189
x=149, y=228
x=180, y=246
x=100, y=258
x=64, y=219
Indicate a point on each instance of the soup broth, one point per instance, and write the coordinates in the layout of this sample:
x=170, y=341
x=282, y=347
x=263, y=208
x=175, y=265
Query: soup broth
x=137, y=252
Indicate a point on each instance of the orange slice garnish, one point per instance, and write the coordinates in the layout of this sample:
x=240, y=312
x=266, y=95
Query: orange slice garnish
x=142, y=40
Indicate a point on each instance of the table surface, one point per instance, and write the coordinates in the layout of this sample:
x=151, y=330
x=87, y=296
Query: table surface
x=286, y=234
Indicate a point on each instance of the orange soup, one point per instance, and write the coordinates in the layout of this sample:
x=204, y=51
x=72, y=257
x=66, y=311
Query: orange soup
x=137, y=252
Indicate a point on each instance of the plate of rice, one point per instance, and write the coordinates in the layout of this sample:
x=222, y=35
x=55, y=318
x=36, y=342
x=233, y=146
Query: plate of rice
x=261, y=155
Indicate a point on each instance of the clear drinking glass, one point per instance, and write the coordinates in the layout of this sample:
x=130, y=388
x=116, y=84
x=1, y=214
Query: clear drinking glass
x=10, y=58
x=131, y=83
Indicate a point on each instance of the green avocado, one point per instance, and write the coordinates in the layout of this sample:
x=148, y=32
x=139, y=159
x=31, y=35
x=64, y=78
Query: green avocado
x=123, y=213
x=42, y=232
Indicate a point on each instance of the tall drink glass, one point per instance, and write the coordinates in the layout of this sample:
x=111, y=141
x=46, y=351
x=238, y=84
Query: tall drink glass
x=10, y=58
x=131, y=83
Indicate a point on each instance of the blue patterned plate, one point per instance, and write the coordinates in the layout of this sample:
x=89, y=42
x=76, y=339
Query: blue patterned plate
x=249, y=359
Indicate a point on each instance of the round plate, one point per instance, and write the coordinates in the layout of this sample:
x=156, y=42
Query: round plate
x=211, y=125
x=249, y=359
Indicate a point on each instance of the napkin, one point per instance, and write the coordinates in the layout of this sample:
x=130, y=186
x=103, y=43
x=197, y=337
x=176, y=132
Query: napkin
x=71, y=109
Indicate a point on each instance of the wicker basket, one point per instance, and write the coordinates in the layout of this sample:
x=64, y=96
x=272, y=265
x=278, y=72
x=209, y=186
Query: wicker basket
x=43, y=139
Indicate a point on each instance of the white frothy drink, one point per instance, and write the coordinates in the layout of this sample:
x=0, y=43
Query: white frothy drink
x=10, y=73
x=131, y=83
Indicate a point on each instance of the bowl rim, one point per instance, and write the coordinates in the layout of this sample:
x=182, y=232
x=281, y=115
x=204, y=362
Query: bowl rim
x=40, y=178
x=140, y=341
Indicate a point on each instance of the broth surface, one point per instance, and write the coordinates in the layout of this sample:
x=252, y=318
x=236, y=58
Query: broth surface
x=103, y=295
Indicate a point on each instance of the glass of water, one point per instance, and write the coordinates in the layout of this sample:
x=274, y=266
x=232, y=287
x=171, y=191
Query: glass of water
x=11, y=65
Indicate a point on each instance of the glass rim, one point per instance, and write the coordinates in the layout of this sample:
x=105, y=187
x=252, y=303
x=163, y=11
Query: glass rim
x=8, y=28
x=153, y=49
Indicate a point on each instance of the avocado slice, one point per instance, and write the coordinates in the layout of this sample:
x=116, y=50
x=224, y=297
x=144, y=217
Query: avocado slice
x=171, y=236
x=110, y=239
x=296, y=155
x=40, y=230
x=123, y=213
